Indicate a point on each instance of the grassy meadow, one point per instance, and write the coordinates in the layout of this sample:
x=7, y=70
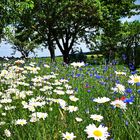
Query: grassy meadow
x=43, y=101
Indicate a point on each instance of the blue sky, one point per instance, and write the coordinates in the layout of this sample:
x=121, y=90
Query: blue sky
x=5, y=49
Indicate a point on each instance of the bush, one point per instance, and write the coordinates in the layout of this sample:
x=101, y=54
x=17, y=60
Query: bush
x=77, y=56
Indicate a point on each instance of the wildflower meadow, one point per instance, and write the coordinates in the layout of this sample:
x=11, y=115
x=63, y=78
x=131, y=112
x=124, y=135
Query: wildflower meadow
x=42, y=101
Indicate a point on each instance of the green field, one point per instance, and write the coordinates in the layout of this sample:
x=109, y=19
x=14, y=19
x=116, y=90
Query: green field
x=43, y=101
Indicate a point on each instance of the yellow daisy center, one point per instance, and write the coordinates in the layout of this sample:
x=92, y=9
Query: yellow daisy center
x=68, y=137
x=136, y=80
x=98, y=133
x=118, y=105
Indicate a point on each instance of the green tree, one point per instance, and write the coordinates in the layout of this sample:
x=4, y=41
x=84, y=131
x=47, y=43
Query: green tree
x=23, y=38
x=63, y=22
x=130, y=42
x=4, y=17
x=108, y=34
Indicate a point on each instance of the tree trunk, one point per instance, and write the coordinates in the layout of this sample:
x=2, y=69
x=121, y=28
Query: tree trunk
x=66, y=57
x=24, y=54
x=52, y=53
x=51, y=46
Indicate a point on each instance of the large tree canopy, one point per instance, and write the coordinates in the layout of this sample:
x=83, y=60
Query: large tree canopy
x=109, y=33
x=64, y=22
x=22, y=37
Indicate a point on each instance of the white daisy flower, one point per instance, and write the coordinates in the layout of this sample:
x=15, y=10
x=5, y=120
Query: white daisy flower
x=119, y=88
x=77, y=64
x=101, y=100
x=98, y=133
x=134, y=79
x=70, y=91
x=68, y=136
x=7, y=133
x=46, y=66
x=120, y=73
x=72, y=108
x=119, y=104
x=59, y=92
x=21, y=122
x=96, y=117
x=41, y=115
x=78, y=119
x=73, y=98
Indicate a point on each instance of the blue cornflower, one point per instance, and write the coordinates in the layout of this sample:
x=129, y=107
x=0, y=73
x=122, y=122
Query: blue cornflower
x=128, y=90
x=102, y=83
x=126, y=123
x=98, y=76
x=88, y=69
x=138, y=90
x=124, y=57
x=114, y=62
x=91, y=75
x=62, y=78
x=86, y=64
x=95, y=61
x=117, y=81
x=87, y=85
x=78, y=75
x=132, y=67
x=105, y=69
x=88, y=90
x=133, y=72
x=138, y=84
x=129, y=100
x=76, y=89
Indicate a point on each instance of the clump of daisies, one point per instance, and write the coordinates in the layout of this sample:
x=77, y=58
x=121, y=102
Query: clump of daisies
x=77, y=64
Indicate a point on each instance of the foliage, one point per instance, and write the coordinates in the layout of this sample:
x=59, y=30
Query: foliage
x=129, y=43
x=22, y=39
x=19, y=32
x=109, y=34
x=3, y=17
x=62, y=23
x=77, y=56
